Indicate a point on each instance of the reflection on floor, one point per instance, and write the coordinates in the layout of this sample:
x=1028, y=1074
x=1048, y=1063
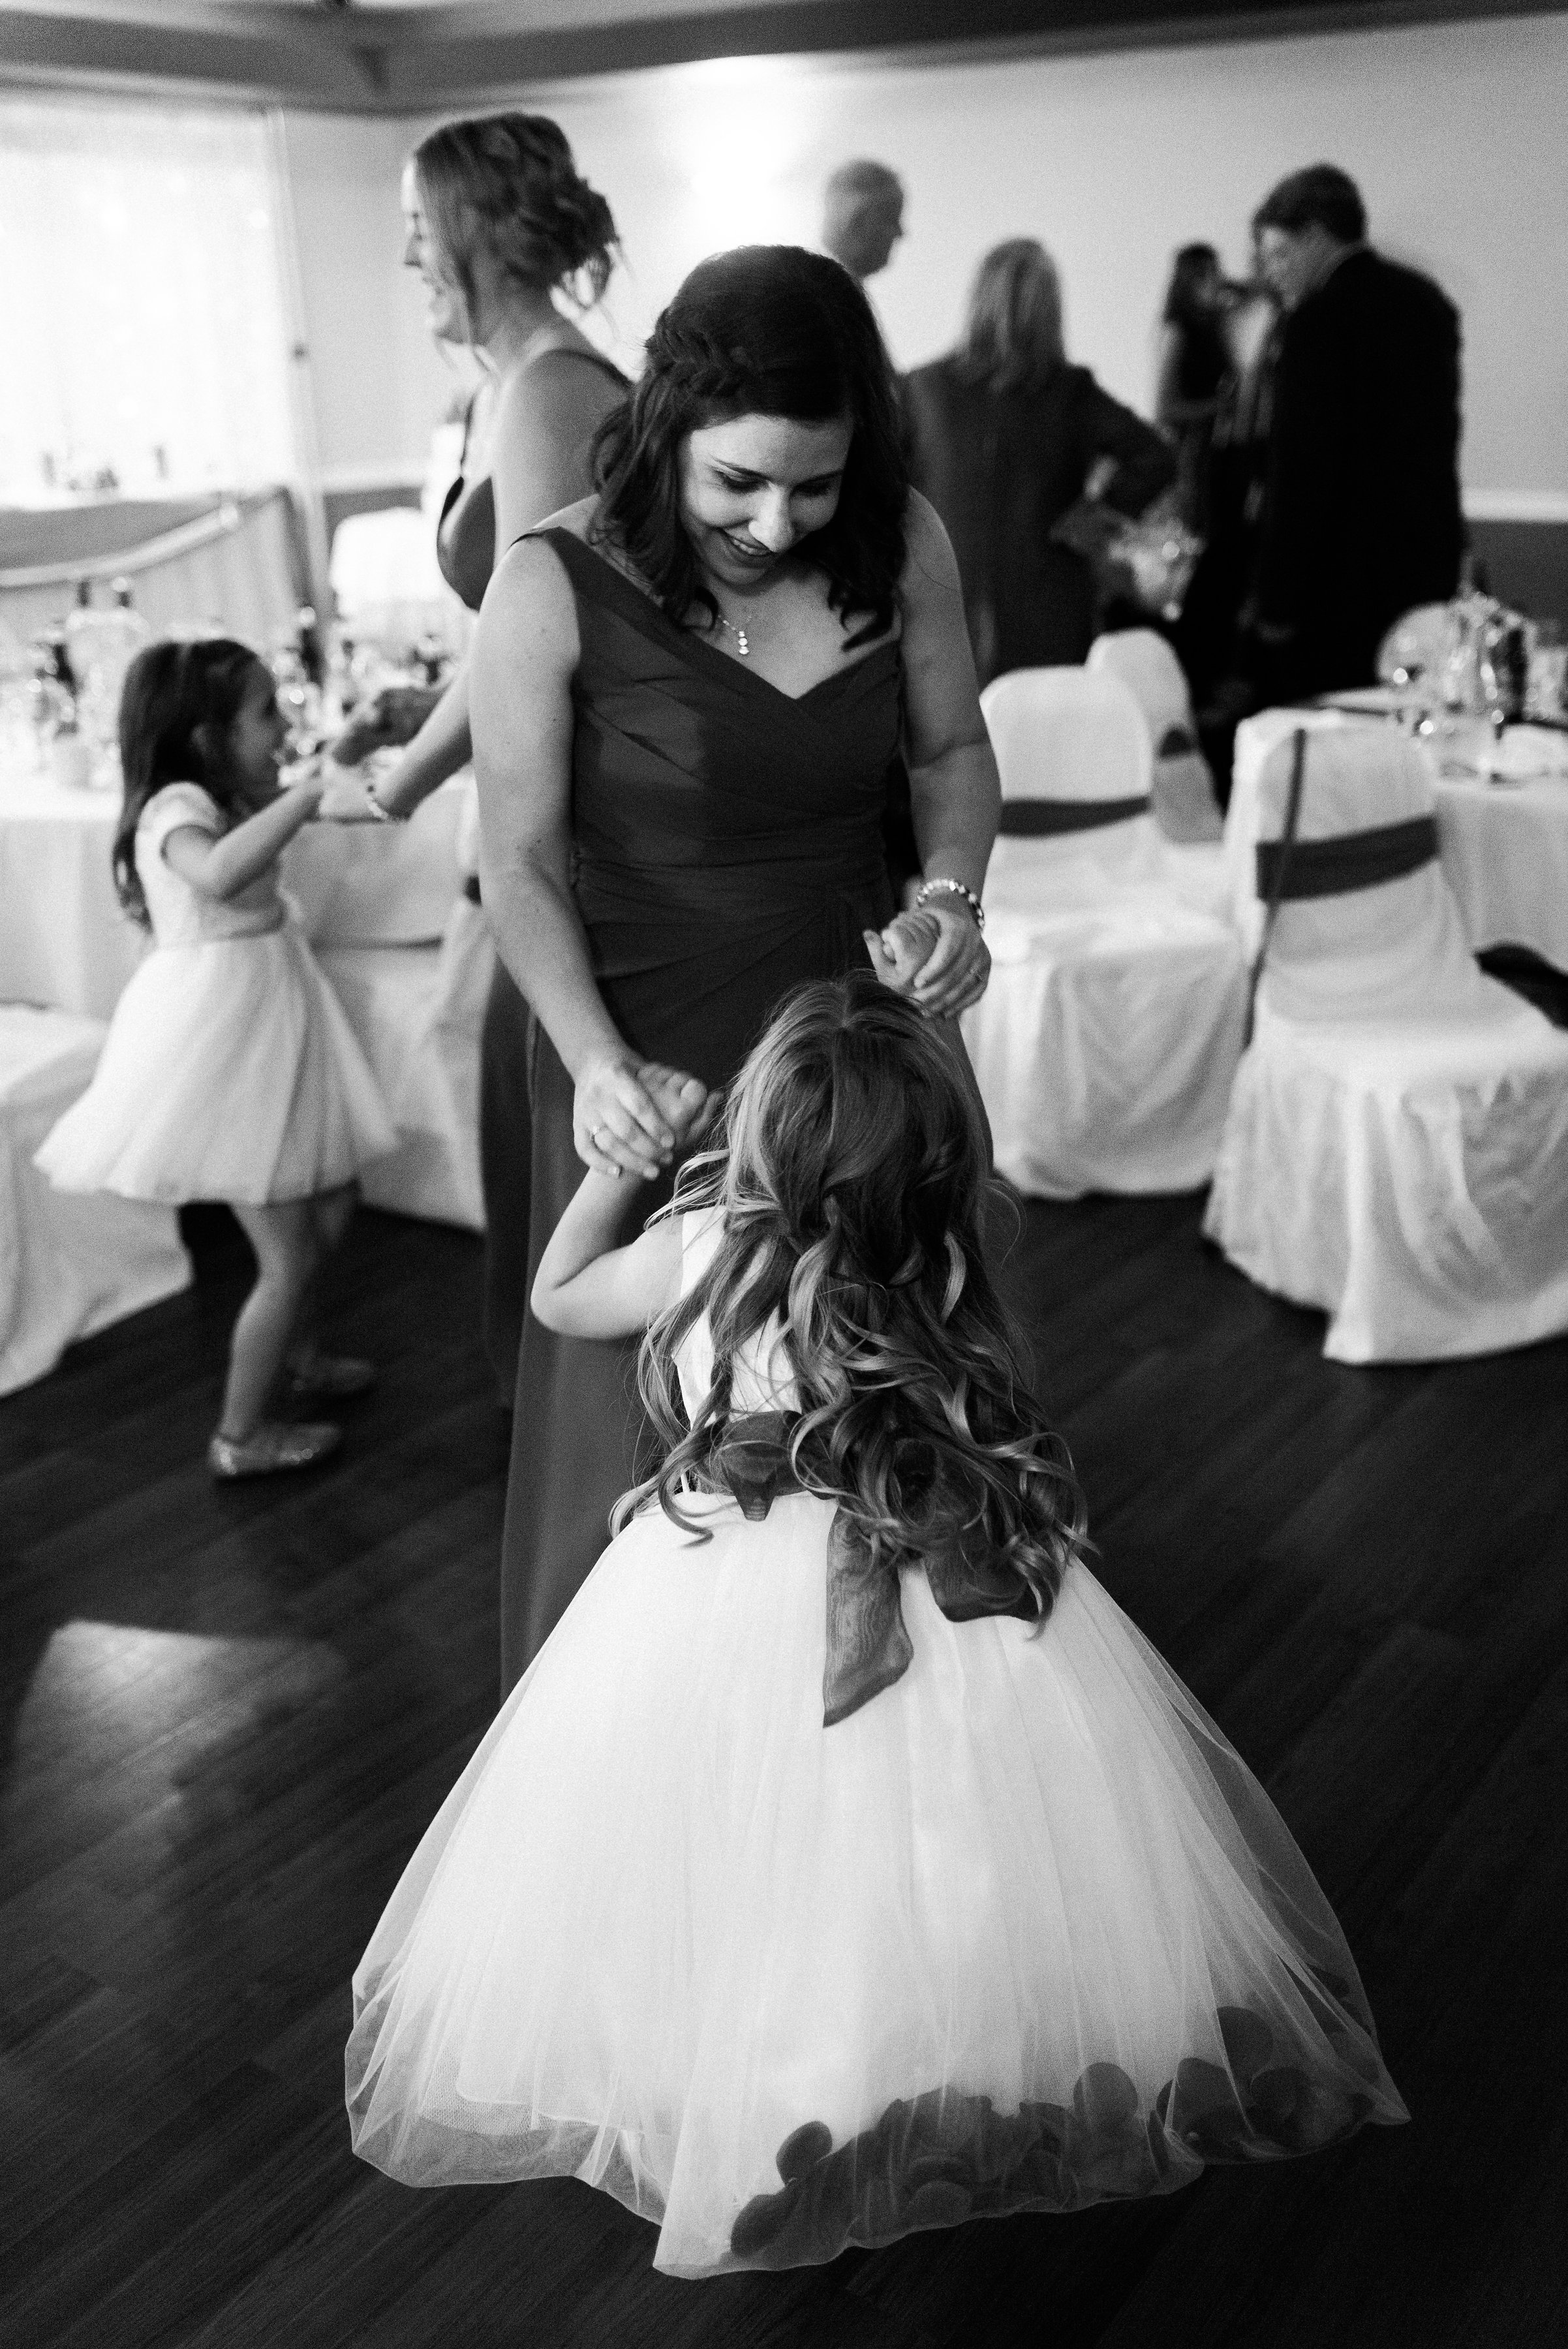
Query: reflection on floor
x=227, y=1715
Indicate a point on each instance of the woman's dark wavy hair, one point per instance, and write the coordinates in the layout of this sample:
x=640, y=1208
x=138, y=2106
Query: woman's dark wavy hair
x=176, y=705
x=766, y=330
x=852, y=1184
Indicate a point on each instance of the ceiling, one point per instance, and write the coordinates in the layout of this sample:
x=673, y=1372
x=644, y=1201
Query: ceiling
x=408, y=55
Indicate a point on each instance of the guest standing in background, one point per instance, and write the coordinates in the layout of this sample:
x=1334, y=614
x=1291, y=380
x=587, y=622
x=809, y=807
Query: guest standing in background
x=1207, y=635
x=499, y=221
x=1008, y=440
x=1361, y=518
x=1194, y=371
x=862, y=217
x=688, y=695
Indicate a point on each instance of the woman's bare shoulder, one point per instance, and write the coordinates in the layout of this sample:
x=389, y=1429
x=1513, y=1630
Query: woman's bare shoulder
x=577, y=519
x=928, y=559
x=530, y=596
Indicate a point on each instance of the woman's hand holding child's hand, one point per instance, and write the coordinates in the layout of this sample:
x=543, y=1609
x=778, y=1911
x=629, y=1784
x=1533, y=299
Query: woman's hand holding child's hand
x=901, y=951
x=388, y=720
x=631, y=1117
x=935, y=956
x=689, y=1106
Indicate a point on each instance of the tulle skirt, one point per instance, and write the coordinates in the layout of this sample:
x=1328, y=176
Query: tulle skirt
x=1022, y=1933
x=229, y=1072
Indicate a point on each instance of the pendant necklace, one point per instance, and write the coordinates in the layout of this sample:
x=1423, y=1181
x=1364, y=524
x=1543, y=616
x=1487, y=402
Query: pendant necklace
x=743, y=642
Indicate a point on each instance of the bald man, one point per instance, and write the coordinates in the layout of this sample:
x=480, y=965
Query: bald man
x=863, y=217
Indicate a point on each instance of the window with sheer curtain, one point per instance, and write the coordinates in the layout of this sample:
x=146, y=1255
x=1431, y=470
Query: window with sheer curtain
x=142, y=295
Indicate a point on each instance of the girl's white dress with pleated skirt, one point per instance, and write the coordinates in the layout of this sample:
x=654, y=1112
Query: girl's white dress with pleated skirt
x=230, y=1070
x=1021, y=1932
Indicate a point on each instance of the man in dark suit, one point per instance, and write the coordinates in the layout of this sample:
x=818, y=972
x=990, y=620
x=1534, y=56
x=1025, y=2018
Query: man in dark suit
x=1362, y=517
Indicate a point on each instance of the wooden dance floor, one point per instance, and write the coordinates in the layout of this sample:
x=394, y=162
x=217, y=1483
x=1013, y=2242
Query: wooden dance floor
x=228, y=1713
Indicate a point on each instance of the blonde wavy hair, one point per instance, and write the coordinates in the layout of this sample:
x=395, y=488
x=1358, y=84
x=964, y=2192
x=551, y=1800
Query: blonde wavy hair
x=852, y=1184
x=1012, y=337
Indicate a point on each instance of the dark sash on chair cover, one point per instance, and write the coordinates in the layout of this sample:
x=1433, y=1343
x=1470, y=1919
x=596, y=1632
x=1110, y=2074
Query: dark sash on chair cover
x=1044, y=818
x=1347, y=860
x=1291, y=867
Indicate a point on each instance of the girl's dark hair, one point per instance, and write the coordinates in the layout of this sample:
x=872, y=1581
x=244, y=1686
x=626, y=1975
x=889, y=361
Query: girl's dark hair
x=853, y=1185
x=177, y=702
x=1193, y=264
x=508, y=182
x=766, y=330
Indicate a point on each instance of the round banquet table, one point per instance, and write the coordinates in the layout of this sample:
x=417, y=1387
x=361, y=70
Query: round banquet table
x=65, y=942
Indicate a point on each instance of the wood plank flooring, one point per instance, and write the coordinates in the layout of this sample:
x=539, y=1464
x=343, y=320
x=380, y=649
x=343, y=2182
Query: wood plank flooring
x=226, y=1716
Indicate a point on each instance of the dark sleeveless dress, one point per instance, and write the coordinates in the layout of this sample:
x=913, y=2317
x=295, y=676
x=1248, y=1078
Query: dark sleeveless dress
x=728, y=843
x=465, y=552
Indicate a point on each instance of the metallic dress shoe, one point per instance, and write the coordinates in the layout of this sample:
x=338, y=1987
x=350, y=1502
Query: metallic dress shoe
x=273, y=1449
x=330, y=1378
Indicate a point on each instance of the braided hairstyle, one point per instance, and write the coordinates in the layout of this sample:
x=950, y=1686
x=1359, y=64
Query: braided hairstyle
x=766, y=330
x=506, y=184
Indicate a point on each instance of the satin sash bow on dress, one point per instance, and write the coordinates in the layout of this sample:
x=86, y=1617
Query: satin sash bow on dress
x=868, y=1647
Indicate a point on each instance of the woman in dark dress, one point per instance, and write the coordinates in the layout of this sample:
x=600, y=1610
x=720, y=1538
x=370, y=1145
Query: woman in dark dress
x=1194, y=371
x=1029, y=465
x=688, y=694
x=498, y=221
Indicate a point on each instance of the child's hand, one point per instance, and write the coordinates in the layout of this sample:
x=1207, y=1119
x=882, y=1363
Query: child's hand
x=685, y=1103
x=900, y=952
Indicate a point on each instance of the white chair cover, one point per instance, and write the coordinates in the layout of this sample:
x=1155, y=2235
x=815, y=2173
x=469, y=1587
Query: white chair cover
x=68, y=1264
x=1105, y=1044
x=1397, y=1149
x=419, y=1012
x=1185, y=805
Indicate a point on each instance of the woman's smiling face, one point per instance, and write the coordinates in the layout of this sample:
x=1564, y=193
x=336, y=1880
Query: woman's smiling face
x=754, y=488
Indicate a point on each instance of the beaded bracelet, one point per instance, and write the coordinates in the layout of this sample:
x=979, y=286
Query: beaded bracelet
x=954, y=888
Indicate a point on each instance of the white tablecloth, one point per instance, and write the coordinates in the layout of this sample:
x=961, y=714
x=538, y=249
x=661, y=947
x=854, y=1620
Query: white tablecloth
x=64, y=943
x=1505, y=851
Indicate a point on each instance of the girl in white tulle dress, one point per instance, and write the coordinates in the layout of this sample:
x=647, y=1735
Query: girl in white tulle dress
x=230, y=1072
x=847, y=1863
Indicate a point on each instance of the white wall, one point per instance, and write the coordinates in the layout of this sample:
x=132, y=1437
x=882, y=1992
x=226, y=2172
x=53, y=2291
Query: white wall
x=379, y=384
x=1454, y=132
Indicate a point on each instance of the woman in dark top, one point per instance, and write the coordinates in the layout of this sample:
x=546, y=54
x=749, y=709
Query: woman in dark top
x=682, y=788
x=1016, y=449
x=1194, y=370
x=498, y=221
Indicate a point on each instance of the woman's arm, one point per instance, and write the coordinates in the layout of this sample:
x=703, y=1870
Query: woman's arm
x=955, y=795
x=1144, y=463
x=1172, y=409
x=220, y=864
x=441, y=747
x=520, y=685
x=544, y=419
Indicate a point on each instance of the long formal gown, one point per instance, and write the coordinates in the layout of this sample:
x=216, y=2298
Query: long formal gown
x=799, y=1904
x=465, y=552
x=727, y=844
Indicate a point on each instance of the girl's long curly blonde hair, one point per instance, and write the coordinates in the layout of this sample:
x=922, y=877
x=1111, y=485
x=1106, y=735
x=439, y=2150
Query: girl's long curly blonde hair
x=852, y=1184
